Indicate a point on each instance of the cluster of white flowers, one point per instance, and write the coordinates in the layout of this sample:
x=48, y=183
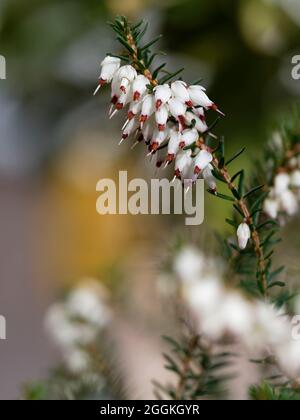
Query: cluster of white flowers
x=168, y=118
x=284, y=196
x=219, y=311
x=77, y=322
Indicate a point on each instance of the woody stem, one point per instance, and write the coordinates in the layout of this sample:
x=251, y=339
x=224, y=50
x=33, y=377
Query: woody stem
x=137, y=62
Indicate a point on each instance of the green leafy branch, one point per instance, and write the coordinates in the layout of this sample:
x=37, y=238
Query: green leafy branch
x=199, y=372
x=139, y=54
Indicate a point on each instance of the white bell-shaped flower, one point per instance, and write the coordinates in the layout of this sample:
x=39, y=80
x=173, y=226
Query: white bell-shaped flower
x=109, y=67
x=161, y=117
x=178, y=110
x=131, y=127
x=188, y=137
x=202, y=160
x=158, y=138
x=139, y=87
x=126, y=76
x=173, y=145
x=162, y=95
x=183, y=160
x=148, y=108
x=148, y=129
x=180, y=92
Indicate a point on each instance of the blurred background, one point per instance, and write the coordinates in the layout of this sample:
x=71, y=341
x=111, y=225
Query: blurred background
x=56, y=142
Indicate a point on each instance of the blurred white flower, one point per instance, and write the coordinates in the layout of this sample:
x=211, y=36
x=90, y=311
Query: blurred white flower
x=281, y=183
x=77, y=322
x=87, y=302
x=295, y=179
x=77, y=361
x=271, y=207
x=288, y=355
x=289, y=203
x=189, y=264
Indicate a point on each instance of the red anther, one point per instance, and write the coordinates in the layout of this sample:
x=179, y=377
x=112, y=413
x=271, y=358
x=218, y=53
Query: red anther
x=181, y=144
x=114, y=99
x=143, y=118
x=154, y=146
x=197, y=170
x=159, y=163
x=140, y=138
x=177, y=173
x=170, y=157
x=161, y=127
x=214, y=107
x=124, y=136
x=119, y=106
x=158, y=104
x=123, y=89
x=189, y=104
x=136, y=96
x=130, y=115
x=202, y=118
x=182, y=121
x=102, y=82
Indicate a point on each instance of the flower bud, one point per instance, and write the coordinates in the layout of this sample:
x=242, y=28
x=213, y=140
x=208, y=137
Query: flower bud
x=209, y=178
x=139, y=87
x=162, y=94
x=202, y=160
x=180, y=92
x=188, y=137
x=161, y=117
x=148, y=108
x=243, y=234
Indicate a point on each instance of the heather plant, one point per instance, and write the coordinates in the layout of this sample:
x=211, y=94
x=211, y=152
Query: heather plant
x=238, y=295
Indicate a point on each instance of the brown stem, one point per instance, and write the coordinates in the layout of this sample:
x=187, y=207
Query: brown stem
x=193, y=343
x=261, y=263
x=137, y=63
